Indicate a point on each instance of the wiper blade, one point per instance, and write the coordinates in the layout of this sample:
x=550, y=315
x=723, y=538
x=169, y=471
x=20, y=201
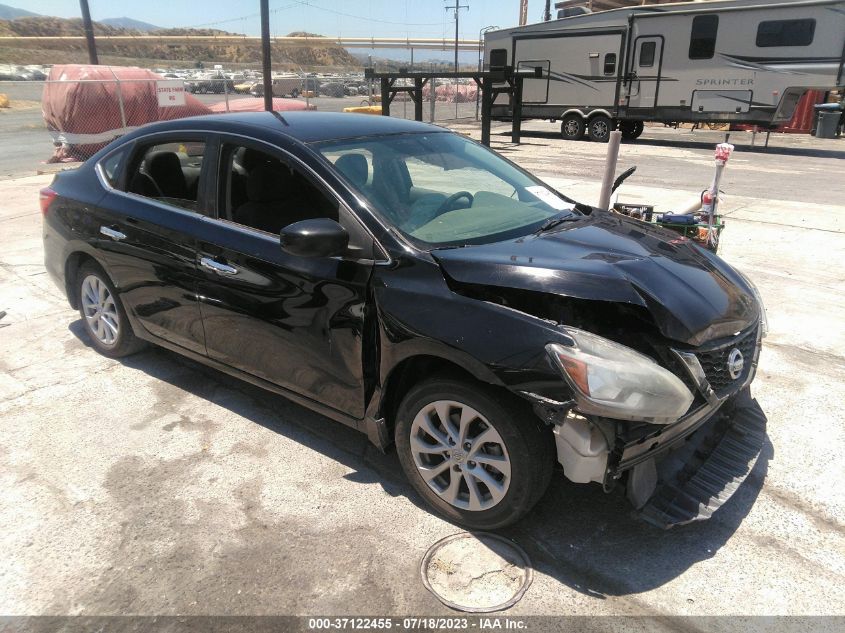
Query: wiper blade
x=556, y=220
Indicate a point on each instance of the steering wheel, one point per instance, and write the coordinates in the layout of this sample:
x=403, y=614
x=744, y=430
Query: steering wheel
x=448, y=202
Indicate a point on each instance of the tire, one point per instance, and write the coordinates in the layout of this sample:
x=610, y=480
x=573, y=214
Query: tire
x=631, y=129
x=518, y=443
x=572, y=127
x=599, y=128
x=103, y=315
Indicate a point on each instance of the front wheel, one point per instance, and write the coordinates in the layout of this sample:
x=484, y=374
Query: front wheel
x=599, y=128
x=572, y=127
x=477, y=456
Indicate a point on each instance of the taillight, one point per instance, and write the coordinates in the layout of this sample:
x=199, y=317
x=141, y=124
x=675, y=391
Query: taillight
x=46, y=196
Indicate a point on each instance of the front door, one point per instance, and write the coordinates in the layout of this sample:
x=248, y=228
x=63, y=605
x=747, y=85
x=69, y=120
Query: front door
x=298, y=322
x=645, y=75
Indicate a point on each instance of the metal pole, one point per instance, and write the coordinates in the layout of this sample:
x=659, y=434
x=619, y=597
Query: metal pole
x=89, y=33
x=610, y=168
x=265, y=55
x=547, y=11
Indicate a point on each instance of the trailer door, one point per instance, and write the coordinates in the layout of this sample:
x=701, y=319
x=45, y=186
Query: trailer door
x=645, y=76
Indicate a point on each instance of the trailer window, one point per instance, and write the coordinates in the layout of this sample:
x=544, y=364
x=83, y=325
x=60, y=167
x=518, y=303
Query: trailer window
x=702, y=43
x=786, y=33
x=610, y=64
x=647, y=50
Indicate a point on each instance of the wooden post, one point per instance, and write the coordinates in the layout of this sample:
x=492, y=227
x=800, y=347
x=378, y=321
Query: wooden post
x=516, y=110
x=418, y=88
x=486, y=107
x=385, y=99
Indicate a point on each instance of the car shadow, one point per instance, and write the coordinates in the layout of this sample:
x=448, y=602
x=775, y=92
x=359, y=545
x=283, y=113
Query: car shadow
x=585, y=539
x=807, y=152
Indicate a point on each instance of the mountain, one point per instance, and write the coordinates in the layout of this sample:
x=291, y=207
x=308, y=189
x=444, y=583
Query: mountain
x=130, y=23
x=187, y=52
x=12, y=13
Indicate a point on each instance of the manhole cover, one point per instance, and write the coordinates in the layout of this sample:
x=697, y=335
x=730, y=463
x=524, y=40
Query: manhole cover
x=476, y=572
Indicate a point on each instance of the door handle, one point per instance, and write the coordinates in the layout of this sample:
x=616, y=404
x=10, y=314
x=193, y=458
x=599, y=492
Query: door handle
x=220, y=269
x=112, y=233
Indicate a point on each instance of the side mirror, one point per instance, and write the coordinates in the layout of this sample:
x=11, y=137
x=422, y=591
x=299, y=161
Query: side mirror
x=318, y=237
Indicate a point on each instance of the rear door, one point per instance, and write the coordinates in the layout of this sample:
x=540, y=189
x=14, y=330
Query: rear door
x=294, y=321
x=645, y=75
x=148, y=238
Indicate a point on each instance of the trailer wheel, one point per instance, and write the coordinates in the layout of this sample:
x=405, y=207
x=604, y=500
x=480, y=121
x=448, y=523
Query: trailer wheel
x=599, y=128
x=572, y=127
x=631, y=129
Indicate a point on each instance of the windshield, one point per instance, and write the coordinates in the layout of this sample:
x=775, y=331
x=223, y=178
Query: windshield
x=441, y=189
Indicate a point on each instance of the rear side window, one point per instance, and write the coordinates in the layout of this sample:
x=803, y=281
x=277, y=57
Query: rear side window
x=110, y=166
x=168, y=172
x=702, y=43
x=610, y=64
x=786, y=33
x=647, y=50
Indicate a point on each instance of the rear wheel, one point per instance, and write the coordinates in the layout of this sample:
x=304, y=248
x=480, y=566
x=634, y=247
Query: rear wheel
x=103, y=314
x=631, y=129
x=475, y=455
x=599, y=128
x=572, y=127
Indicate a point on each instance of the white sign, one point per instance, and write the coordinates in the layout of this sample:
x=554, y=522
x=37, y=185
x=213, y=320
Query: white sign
x=170, y=92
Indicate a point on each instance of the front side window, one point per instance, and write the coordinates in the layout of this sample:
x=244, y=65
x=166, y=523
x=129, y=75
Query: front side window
x=169, y=172
x=786, y=33
x=610, y=64
x=440, y=189
x=260, y=191
x=647, y=51
x=702, y=44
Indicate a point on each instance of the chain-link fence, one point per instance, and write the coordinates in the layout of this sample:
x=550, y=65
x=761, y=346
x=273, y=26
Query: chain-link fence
x=70, y=115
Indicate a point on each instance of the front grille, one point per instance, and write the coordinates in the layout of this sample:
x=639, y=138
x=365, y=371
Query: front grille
x=715, y=363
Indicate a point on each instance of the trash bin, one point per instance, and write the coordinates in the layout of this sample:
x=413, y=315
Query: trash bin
x=828, y=121
x=827, y=124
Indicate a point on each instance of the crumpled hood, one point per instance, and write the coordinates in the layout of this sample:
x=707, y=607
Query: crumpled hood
x=692, y=294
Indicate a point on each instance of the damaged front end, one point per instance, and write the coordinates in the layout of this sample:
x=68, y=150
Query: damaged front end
x=672, y=422
x=675, y=471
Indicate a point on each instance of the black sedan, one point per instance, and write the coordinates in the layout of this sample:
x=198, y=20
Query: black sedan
x=411, y=283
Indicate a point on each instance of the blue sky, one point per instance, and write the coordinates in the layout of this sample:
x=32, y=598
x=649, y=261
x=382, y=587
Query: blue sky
x=378, y=18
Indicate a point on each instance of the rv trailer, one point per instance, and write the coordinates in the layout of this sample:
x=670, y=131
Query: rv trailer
x=739, y=61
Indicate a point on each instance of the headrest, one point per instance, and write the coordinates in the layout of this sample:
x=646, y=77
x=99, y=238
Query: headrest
x=354, y=167
x=268, y=183
x=166, y=170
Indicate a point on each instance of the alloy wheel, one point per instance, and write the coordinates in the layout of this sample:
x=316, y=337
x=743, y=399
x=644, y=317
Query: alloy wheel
x=571, y=127
x=100, y=310
x=460, y=456
x=600, y=129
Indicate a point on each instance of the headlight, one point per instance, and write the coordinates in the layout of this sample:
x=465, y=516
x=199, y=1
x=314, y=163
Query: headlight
x=615, y=381
x=764, y=320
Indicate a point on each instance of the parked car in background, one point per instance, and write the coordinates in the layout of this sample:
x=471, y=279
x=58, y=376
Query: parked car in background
x=283, y=86
x=408, y=282
x=245, y=86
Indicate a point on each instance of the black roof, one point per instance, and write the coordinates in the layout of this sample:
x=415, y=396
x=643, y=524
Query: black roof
x=305, y=126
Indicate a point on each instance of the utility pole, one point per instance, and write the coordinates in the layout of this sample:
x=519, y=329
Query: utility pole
x=547, y=11
x=89, y=33
x=457, y=9
x=266, y=68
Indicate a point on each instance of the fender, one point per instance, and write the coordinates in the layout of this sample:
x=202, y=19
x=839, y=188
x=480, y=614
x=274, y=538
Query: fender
x=587, y=115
